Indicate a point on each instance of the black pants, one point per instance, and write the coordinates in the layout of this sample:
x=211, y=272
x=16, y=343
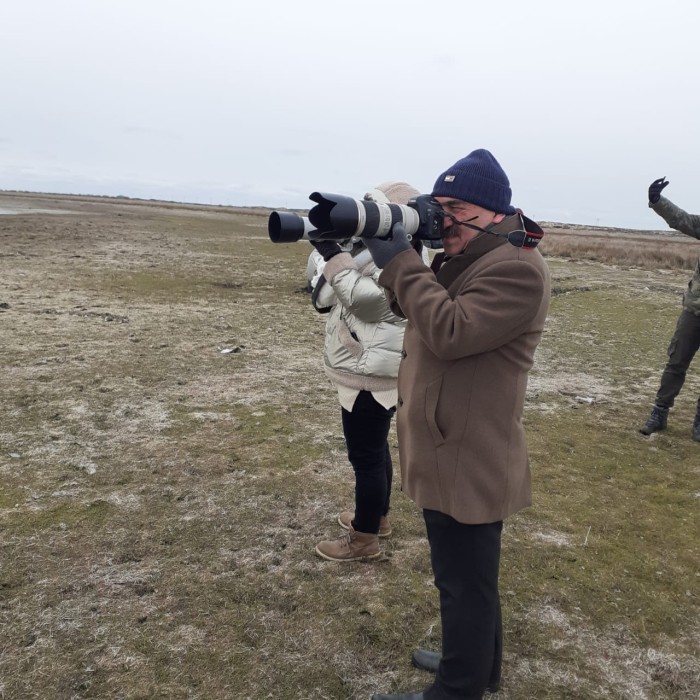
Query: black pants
x=465, y=560
x=366, y=429
x=684, y=344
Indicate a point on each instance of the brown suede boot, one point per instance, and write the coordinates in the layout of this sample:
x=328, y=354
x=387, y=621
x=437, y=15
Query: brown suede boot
x=347, y=516
x=355, y=546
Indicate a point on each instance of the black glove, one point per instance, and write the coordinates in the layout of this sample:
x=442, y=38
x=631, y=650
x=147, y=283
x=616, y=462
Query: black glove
x=327, y=248
x=655, y=189
x=383, y=250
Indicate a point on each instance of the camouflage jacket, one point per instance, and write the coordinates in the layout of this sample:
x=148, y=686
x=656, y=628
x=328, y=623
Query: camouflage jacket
x=689, y=224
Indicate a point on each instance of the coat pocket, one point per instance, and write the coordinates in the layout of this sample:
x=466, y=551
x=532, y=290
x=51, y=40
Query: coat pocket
x=432, y=398
x=349, y=339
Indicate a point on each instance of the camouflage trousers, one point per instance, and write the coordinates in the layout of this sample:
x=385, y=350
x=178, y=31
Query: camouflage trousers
x=681, y=350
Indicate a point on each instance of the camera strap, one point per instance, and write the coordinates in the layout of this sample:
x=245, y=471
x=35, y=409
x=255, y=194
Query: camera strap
x=523, y=239
x=526, y=237
x=314, y=296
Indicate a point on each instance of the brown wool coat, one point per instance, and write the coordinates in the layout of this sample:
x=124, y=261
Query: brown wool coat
x=469, y=344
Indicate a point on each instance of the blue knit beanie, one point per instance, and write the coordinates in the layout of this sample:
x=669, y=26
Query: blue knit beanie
x=478, y=179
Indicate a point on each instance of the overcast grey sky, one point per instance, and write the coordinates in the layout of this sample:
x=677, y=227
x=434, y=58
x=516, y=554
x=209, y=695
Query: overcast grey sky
x=264, y=101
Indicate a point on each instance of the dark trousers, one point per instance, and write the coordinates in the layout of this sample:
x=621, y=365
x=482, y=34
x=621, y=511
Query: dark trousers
x=366, y=429
x=465, y=560
x=684, y=344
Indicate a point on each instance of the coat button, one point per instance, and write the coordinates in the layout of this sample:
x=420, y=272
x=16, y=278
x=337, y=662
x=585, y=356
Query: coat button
x=400, y=401
x=403, y=354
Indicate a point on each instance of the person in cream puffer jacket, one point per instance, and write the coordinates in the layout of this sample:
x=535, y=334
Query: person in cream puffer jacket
x=362, y=351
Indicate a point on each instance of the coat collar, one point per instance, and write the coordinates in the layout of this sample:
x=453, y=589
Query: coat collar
x=450, y=268
x=453, y=267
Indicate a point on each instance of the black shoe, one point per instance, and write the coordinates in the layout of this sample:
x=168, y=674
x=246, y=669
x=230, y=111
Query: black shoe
x=430, y=660
x=657, y=421
x=399, y=696
x=426, y=660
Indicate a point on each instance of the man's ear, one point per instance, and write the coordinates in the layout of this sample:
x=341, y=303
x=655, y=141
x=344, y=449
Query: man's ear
x=498, y=218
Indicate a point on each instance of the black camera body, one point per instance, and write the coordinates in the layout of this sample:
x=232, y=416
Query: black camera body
x=339, y=218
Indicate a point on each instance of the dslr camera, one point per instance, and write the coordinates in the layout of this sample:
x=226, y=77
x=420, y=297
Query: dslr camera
x=339, y=218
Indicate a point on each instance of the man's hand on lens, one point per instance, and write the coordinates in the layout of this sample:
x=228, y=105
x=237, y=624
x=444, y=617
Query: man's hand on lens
x=383, y=250
x=327, y=249
x=655, y=189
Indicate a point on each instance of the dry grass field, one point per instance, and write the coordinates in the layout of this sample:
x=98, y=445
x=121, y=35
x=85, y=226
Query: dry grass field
x=170, y=453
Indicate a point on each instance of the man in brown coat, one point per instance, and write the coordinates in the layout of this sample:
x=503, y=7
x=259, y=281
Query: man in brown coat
x=473, y=327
